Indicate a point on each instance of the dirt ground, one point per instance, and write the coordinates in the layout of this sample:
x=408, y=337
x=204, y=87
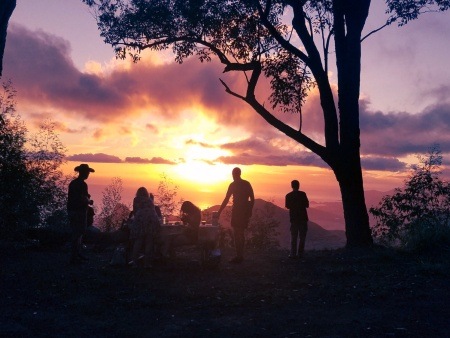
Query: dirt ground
x=329, y=293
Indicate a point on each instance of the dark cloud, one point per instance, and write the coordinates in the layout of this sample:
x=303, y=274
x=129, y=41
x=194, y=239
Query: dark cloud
x=105, y=158
x=99, y=157
x=202, y=144
x=402, y=134
x=266, y=152
x=152, y=128
x=252, y=145
x=274, y=160
x=154, y=160
x=43, y=73
x=382, y=163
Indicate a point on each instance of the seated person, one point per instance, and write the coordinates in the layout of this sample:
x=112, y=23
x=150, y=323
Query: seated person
x=191, y=217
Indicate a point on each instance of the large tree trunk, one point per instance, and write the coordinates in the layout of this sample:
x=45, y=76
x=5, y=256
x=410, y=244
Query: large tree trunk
x=349, y=176
x=6, y=9
x=349, y=21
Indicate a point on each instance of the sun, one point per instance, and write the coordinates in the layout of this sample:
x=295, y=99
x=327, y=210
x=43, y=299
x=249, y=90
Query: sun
x=200, y=172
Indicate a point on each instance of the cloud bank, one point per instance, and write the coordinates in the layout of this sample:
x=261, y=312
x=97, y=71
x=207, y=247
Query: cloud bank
x=45, y=77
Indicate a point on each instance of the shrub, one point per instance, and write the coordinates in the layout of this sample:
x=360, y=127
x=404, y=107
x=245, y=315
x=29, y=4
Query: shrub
x=31, y=182
x=263, y=228
x=418, y=215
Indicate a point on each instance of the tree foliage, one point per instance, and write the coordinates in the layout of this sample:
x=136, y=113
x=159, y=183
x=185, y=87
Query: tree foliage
x=31, y=182
x=418, y=212
x=113, y=211
x=263, y=228
x=286, y=42
x=166, y=197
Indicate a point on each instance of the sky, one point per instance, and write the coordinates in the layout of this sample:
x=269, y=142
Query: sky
x=141, y=121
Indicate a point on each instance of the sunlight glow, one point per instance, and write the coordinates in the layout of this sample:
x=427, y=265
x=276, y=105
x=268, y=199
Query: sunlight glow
x=199, y=172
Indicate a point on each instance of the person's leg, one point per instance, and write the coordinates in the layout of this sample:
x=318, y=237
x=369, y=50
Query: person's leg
x=75, y=246
x=149, y=246
x=294, y=236
x=137, y=249
x=239, y=242
x=78, y=225
x=302, y=233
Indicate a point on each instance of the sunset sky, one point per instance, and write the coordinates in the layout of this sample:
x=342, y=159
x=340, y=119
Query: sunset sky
x=139, y=121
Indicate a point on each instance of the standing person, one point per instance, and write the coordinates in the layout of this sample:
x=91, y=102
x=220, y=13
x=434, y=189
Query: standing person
x=297, y=202
x=243, y=201
x=78, y=202
x=145, y=227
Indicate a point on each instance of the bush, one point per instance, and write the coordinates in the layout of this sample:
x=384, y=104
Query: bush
x=32, y=185
x=418, y=215
x=263, y=228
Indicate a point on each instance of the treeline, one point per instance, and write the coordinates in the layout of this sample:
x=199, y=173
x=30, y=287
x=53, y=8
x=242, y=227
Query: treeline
x=32, y=186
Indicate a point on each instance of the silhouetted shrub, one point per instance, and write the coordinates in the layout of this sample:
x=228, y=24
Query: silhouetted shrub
x=32, y=186
x=418, y=215
x=263, y=228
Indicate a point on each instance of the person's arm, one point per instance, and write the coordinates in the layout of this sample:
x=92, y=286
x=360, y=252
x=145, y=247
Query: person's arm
x=225, y=200
x=252, y=198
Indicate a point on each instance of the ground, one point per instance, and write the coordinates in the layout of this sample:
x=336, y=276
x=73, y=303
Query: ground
x=327, y=293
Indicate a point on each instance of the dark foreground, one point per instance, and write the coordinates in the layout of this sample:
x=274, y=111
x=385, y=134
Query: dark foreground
x=335, y=293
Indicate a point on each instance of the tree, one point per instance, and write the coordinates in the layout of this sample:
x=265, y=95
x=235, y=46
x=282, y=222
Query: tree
x=263, y=228
x=113, y=210
x=6, y=9
x=165, y=198
x=418, y=213
x=252, y=37
x=13, y=173
x=32, y=185
x=45, y=155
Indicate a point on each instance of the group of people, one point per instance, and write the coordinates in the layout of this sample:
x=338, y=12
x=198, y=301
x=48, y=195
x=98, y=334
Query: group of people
x=145, y=219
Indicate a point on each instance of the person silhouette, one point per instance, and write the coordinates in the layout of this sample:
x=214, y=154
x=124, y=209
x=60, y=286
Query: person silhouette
x=243, y=202
x=145, y=229
x=78, y=201
x=297, y=202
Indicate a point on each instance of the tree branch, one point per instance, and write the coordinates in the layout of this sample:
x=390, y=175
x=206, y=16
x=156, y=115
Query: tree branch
x=229, y=91
x=283, y=42
x=375, y=30
x=272, y=120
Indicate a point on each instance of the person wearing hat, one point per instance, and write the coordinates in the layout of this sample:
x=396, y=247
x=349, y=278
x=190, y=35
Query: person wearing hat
x=78, y=202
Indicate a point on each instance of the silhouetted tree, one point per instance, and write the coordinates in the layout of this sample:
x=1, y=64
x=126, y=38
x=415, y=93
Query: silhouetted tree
x=13, y=173
x=263, y=228
x=6, y=10
x=31, y=183
x=45, y=155
x=113, y=210
x=252, y=37
x=166, y=197
x=418, y=214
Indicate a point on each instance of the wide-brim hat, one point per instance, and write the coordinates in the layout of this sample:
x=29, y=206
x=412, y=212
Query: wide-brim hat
x=84, y=168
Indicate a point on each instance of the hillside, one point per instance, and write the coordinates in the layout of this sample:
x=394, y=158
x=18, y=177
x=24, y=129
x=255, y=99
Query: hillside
x=317, y=237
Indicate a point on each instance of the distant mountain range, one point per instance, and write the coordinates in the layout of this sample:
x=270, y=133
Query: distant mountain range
x=326, y=228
